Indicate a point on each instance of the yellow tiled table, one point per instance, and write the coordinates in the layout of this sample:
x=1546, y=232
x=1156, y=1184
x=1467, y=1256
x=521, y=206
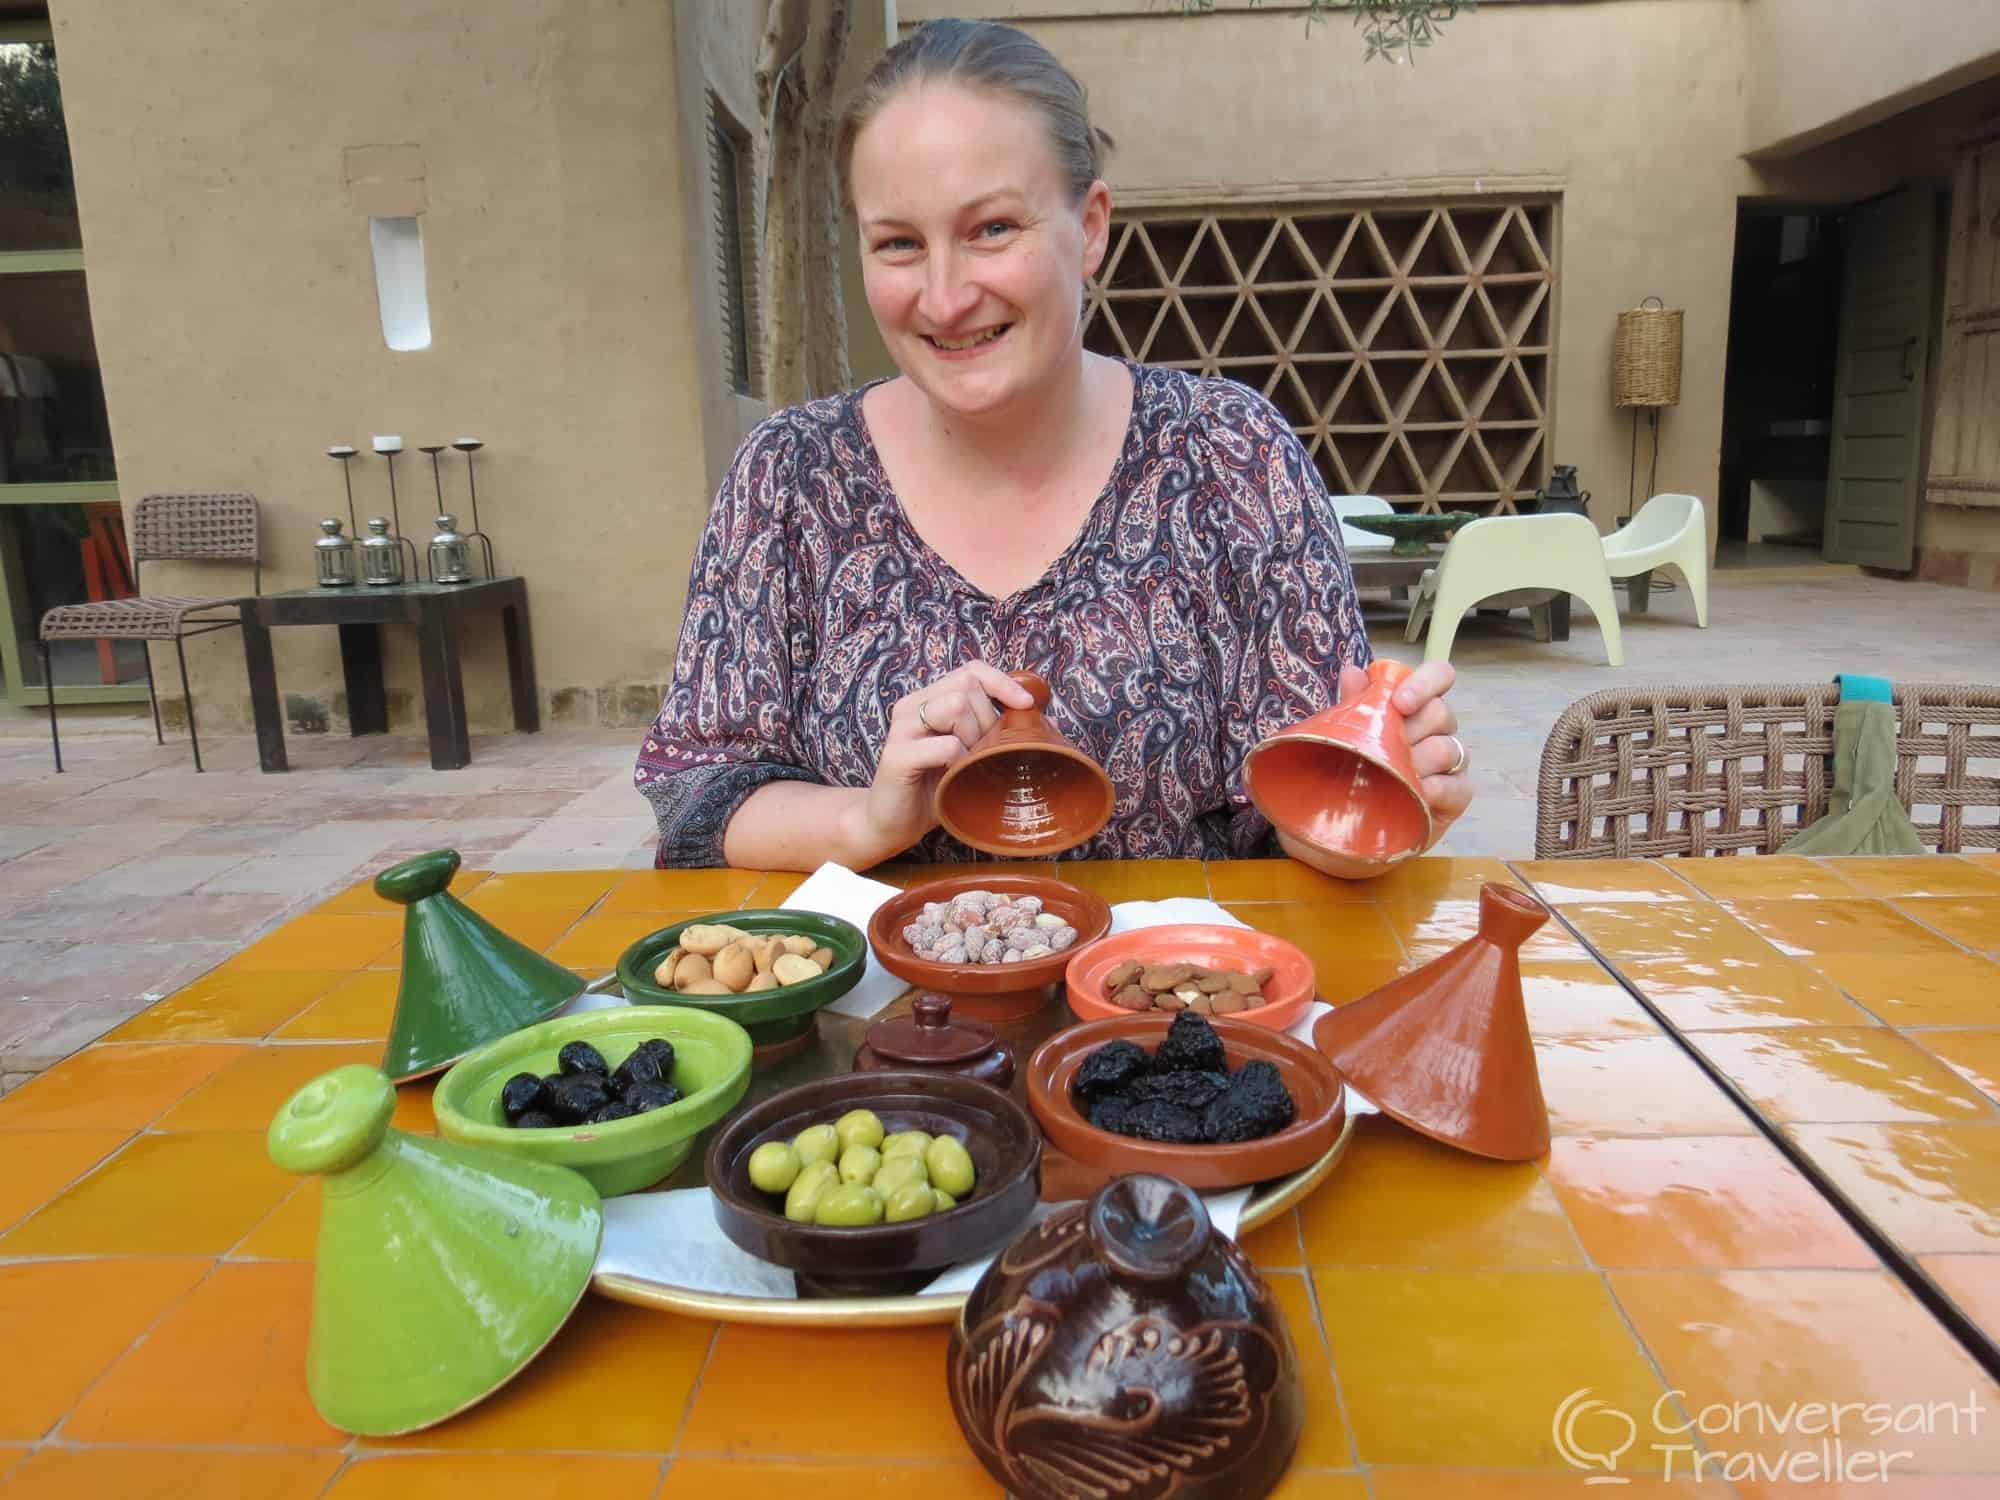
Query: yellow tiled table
x=1664, y=1262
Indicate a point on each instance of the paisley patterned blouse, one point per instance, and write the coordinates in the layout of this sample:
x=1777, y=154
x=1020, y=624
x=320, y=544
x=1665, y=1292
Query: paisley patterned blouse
x=1205, y=602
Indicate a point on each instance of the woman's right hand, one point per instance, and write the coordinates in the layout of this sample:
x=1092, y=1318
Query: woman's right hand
x=928, y=730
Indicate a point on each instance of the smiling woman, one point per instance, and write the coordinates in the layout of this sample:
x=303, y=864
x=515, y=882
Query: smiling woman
x=1154, y=544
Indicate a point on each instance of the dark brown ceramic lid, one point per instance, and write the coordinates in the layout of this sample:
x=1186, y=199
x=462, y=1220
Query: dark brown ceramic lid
x=929, y=1036
x=1148, y=1228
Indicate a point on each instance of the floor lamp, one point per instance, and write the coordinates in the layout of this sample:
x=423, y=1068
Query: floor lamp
x=1646, y=373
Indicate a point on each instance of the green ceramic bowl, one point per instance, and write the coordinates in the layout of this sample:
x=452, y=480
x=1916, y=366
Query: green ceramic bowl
x=772, y=1017
x=711, y=1068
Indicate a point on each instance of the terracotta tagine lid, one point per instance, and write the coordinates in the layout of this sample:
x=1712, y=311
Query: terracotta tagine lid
x=931, y=1039
x=1122, y=1346
x=1446, y=1049
x=1024, y=791
x=1340, y=788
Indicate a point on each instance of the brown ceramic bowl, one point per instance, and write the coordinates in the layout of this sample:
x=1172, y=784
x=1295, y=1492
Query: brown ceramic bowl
x=988, y=992
x=1315, y=1084
x=881, y=1259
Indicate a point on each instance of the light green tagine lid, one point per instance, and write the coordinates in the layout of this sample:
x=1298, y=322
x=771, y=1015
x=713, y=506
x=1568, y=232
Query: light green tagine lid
x=442, y=1270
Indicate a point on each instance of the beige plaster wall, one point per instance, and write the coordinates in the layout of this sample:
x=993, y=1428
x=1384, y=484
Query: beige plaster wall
x=233, y=295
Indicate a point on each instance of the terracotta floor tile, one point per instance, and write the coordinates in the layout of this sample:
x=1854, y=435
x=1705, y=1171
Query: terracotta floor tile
x=1467, y=1368
x=1817, y=928
x=1890, y=876
x=1974, y=923
x=599, y=940
x=1579, y=999
x=169, y=1474
x=161, y=1195
x=558, y=1401
x=35, y=1165
x=1973, y=1282
x=1438, y=878
x=1974, y=1053
x=1951, y=989
x=1772, y=877
x=112, y=1088
x=1723, y=995
x=755, y=1372
x=483, y=1476
x=1930, y=1188
x=358, y=1008
x=1631, y=1086
x=1716, y=1201
x=289, y=1232
x=360, y=900
x=748, y=1479
x=1398, y=1199
x=679, y=890
x=1629, y=931
x=245, y=1330
x=1772, y=1338
x=1840, y=1073
x=544, y=890
x=1137, y=880
x=1570, y=882
x=78, y=1316
x=246, y=1094
x=227, y=1004
x=316, y=942
x=1471, y=1484
x=1350, y=980
x=1252, y=880
x=1275, y=1247
x=1332, y=937
x=1324, y=1443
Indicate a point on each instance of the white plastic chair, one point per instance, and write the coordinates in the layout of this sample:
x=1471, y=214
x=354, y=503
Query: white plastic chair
x=1670, y=531
x=1505, y=555
x=1354, y=537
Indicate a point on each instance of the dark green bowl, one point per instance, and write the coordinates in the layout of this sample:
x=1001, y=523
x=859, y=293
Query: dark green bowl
x=772, y=1017
x=1413, y=534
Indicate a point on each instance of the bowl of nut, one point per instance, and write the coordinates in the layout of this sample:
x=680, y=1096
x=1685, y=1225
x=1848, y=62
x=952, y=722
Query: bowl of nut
x=1210, y=969
x=768, y=971
x=995, y=943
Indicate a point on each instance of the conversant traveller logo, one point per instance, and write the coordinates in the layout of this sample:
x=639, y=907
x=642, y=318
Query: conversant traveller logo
x=1804, y=1442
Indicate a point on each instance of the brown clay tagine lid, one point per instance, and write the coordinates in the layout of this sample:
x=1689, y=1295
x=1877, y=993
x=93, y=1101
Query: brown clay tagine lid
x=929, y=1037
x=1024, y=791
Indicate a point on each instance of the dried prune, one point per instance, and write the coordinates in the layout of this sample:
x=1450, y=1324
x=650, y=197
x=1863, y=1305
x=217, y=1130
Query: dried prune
x=1189, y=1090
x=650, y=1062
x=536, y=1119
x=1111, y=1068
x=575, y=1097
x=581, y=1057
x=617, y=1109
x=1109, y=1112
x=1256, y=1104
x=645, y=1096
x=1191, y=1046
x=1160, y=1120
x=520, y=1094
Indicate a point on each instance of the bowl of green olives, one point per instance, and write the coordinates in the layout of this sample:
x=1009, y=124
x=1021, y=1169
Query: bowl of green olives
x=872, y=1183
x=618, y=1095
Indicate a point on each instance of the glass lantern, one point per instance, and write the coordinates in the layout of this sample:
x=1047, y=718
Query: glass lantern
x=451, y=555
x=333, y=557
x=381, y=554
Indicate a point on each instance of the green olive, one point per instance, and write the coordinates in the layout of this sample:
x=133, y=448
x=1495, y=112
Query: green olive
x=897, y=1170
x=774, y=1167
x=858, y=1127
x=906, y=1143
x=849, y=1204
x=950, y=1166
x=858, y=1163
x=910, y=1201
x=816, y=1143
x=814, y=1181
x=942, y=1199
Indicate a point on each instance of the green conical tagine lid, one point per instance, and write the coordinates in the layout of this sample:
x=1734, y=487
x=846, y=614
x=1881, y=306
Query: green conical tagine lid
x=443, y=1270
x=465, y=982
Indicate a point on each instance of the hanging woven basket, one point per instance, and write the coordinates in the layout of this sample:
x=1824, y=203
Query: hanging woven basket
x=1646, y=356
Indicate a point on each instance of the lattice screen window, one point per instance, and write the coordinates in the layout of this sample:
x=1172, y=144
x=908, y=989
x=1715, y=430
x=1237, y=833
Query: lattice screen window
x=735, y=222
x=1408, y=345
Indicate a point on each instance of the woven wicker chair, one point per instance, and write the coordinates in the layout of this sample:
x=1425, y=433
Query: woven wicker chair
x=178, y=528
x=1638, y=773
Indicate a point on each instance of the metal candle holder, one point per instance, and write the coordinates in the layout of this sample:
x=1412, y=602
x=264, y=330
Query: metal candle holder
x=345, y=453
x=469, y=446
x=389, y=447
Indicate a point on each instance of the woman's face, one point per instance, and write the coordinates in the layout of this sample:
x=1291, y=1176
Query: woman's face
x=973, y=254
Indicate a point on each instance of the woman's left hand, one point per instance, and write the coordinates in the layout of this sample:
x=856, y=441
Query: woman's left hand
x=1435, y=748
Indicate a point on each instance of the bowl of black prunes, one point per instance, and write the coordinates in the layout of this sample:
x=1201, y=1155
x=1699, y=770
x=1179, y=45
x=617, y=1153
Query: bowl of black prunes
x=619, y=1095
x=1217, y=1104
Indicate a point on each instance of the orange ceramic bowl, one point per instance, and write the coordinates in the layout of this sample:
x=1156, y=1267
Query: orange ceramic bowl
x=1286, y=996
x=988, y=991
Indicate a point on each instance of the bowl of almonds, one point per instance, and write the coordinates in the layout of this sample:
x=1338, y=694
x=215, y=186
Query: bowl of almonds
x=768, y=971
x=996, y=943
x=1212, y=970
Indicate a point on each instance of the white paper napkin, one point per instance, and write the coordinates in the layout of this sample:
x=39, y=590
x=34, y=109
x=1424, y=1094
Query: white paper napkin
x=1129, y=916
x=672, y=1238
x=838, y=892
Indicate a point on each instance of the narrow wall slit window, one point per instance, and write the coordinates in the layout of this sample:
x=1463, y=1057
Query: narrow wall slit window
x=399, y=282
x=734, y=213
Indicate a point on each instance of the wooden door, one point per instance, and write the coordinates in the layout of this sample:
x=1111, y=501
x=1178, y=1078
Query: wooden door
x=1965, y=446
x=1874, y=475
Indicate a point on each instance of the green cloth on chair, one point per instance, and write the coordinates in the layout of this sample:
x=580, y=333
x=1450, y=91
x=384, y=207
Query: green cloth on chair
x=1863, y=815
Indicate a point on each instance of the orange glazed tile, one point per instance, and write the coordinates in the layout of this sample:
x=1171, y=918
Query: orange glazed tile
x=1974, y=1053
x=1974, y=1284
x=1433, y=927
x=1467, y=1368
x=1137, y=879
x=168, y=1474
x=483, y=1476
x=1319, y=1484
x=1839, y=1073
x=161, y=1195
x=289, y=1232
x=1924, y=875
x=1331, y=936
x=1819, y=928
x=1976, y=923
x=1276, y=1245
x=1439, y=877
x=316, y=942
x=1946, y=989
x=1761, y=1343
x=1682, y=930
x=35, y=1165
x=359, y=1009
x=599, y=940
x=1718, y=1201
x=1764, y=877
x=776, y=888
x=1323, y=1444
x=246, y=1094
x=1698, y=995
x=540, y=930
x=244, y=1331
x=1639, y=1085
x=680, y=890
x=748, y=1479
x=1579, y=999
x=227, y=1004
x=1343, y=982
x=1930, y=1188
x=1570, y=882
x=1281, y=880
x=756, y=1372
x=1399, y=1199
x=76, y=1316
x=558, y=1401
x=545, y=890
x=1896, y=1487
x=360, y=900
x=10, y=1456
x=112, y=1088
x=1471, y=1484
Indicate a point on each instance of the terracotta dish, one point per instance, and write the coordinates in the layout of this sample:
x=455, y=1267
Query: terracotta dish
x=1314, y=1083
x=881, y=1259
x=988, y=992
x=1024, y=791
x=1286, y=994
